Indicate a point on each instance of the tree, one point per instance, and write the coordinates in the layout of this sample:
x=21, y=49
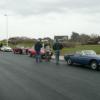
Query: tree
x=75, y=37
x=84, y=38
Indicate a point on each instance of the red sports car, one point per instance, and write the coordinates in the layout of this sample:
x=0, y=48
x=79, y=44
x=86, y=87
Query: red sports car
x=32, y=52
x=20, y=50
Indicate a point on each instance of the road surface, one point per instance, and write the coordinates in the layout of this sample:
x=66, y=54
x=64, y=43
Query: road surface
x=21, y=78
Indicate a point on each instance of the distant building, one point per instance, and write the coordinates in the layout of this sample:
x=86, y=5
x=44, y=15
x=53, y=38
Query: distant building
x=61, y=38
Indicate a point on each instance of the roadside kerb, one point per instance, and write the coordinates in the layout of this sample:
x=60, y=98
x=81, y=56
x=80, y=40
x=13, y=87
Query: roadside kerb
x=61, y=58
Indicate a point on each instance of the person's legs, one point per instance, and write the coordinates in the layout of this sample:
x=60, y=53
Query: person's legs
x=48, y=56
x=57, y=57
x=37, y=56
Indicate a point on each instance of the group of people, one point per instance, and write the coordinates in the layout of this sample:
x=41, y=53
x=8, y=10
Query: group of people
x=56, y=47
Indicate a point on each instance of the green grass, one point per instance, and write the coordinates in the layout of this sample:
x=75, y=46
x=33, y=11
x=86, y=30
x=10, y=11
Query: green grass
x=96, y=48
x=22, y=44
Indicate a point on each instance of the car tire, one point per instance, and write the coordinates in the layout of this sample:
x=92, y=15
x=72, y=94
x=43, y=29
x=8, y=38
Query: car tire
x=42, y=57
x=20, y=52
x=69, y=61
x=94, y=65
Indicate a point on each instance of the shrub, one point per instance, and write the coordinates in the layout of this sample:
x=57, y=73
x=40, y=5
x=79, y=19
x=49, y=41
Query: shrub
x=69, y=44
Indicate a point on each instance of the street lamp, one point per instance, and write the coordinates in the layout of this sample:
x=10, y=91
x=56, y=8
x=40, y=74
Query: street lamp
x=6, y=28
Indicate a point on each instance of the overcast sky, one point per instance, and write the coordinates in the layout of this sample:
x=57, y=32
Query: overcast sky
x=42, y=18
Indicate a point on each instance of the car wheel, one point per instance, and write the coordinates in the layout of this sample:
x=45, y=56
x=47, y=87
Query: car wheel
x=42, y=56
x=69, y=61
x=20, y=52
x=94, y=65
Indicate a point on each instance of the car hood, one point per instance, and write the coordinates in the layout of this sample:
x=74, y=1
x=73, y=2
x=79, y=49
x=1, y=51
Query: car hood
x=8, y=48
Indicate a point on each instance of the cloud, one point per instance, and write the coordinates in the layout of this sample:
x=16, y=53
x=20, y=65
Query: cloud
x=36, y=7
x=50, y=16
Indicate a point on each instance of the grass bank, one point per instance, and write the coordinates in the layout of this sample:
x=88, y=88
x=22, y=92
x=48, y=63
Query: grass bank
x=96, y=48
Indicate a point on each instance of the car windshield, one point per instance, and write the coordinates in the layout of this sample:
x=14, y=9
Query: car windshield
x=88, y=52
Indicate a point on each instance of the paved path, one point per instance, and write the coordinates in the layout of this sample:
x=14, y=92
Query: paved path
x=61, y=57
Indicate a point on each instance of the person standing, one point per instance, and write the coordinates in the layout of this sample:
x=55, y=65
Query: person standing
x=38, y=47
x=57, y=47
x=48, y=51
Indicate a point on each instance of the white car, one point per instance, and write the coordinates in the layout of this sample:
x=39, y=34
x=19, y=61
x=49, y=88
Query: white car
x=6, y=48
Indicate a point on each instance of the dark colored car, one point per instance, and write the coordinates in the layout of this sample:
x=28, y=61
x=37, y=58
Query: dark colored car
x=84, y=57
x=20, y=50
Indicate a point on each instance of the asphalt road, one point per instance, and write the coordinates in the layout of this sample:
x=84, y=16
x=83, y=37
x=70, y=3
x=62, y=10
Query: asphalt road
x=23, y=79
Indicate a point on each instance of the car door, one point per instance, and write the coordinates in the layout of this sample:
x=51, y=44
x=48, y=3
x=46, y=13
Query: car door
x=75, y=58
x=82, y=59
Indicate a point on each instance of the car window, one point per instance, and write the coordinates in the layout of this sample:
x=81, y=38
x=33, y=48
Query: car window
x=89, y=52
x=78, y=53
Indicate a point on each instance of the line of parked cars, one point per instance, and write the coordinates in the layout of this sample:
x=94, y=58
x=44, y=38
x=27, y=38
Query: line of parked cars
x=83, y=57
x=22, y=50
x=31, y=51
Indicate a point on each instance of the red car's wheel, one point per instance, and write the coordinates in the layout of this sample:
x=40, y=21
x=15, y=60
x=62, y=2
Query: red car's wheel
x=29, y=54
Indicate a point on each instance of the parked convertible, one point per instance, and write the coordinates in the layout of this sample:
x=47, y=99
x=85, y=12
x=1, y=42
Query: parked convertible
x=32, y=52
x=84, y=57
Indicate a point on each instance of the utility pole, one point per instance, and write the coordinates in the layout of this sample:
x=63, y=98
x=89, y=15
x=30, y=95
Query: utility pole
x=6, y=28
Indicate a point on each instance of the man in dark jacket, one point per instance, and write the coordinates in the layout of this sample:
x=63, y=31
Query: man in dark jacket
x=57, y=47
x=38, y=47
